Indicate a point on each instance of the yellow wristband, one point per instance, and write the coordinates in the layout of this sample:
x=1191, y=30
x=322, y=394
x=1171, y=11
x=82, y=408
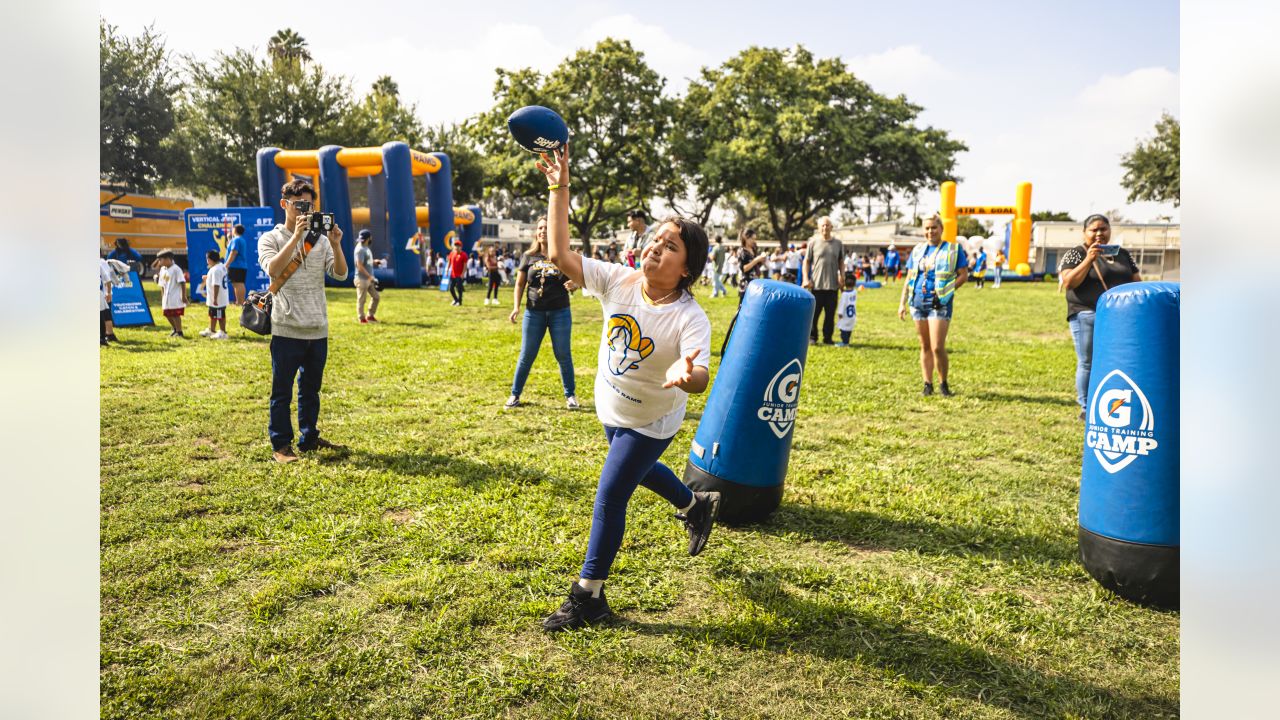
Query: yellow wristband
x=557, y=187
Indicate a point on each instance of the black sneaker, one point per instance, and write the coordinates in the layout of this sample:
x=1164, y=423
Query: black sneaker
x=578, y=610
x=1083, y=415
x=698, y=521
x=946, y=391
x=928, y=389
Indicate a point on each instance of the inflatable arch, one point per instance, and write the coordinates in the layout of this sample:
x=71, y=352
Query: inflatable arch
x=1019, y=234
x=394, y=217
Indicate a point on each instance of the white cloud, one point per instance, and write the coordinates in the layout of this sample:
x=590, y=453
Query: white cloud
x=675, y=60
x=906, y=69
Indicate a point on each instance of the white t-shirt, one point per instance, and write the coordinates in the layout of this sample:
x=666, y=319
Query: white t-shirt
x=638, y=344
x=170, y=279
x=216, y=277
x=847, y=310
x=793, y=260
x=104, y=282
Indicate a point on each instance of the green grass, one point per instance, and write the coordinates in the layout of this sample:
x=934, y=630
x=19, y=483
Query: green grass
x=923, y=564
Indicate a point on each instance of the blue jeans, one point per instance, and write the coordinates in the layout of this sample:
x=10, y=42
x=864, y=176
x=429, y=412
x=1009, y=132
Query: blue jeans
x=632, y=461
x=718, y=288
x=1082, y=336
x=932, y=311
x=536, y=324
x=304, y=359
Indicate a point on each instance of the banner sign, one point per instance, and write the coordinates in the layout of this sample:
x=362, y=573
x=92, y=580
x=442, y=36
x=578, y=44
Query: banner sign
x=129, y=306
x=986, y=210
x=212, y=229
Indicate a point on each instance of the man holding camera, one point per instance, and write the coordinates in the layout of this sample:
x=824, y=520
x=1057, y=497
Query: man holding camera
x=301, y=249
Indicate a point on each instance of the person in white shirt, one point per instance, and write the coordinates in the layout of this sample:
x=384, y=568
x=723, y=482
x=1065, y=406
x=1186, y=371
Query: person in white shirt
x=215, y=297
x=173, y=290
x=106, y=331
x=847, y=309
x=653, y=352
x=792, y=265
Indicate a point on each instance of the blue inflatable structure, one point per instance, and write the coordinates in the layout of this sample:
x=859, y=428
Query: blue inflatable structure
x=743, y=442
x=1129, y=535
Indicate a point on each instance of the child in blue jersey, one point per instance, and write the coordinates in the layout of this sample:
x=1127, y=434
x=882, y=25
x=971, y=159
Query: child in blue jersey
x=653, y=353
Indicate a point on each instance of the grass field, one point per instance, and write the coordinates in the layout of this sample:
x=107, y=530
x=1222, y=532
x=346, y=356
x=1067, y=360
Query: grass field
x=923, y=564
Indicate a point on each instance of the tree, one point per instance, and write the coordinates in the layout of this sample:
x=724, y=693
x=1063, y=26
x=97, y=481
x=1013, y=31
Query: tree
x=802, y=135
x=466, y=160
x=238, y=103
x=969, y=226
x=386, y=86
x=612, y=101
x=1152, y=170
x=695, y=184
x=1051, y=215
x=136, y=112
x=287, y=46
x=380, y=117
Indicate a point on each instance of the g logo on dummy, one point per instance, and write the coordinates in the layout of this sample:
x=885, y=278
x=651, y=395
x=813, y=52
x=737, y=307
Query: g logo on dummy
x=1129, y=531
x=743, y=443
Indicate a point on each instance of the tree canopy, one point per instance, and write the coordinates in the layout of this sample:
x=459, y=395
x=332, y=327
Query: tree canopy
x=802, y=135
x=612, y=101
x=136, y=110
x=1152, y=168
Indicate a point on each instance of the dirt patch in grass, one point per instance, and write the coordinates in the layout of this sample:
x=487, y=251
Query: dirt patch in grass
x=400, y=517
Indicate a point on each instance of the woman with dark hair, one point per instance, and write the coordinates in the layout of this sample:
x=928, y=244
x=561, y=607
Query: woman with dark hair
x=749, y=260
x=653, y=352
x=547, y=309
x=1086, y=271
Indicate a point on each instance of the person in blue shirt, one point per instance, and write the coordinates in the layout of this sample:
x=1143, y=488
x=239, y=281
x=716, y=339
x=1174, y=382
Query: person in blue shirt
x=891, y=262
x=237, y=263
x=126, y=255
x=935, y=270
x=978, y=269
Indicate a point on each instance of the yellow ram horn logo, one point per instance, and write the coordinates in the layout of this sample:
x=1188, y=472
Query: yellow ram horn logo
x=627, y=344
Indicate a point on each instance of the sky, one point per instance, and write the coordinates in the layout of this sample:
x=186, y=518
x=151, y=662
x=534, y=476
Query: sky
x=1050, y=93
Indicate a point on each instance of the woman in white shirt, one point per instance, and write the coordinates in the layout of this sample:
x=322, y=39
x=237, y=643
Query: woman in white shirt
x=653, y=352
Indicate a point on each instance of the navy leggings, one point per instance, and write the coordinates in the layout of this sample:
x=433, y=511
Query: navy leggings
x=632, y=461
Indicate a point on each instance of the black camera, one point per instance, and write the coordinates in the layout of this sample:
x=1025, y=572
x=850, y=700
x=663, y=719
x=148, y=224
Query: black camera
x=321, y=222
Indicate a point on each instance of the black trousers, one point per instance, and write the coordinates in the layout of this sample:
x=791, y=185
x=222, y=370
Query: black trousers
x=826, y=304
x=455, y=289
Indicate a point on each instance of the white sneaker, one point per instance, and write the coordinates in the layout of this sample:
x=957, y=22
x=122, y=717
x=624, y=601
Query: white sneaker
x=512, y=402
x=572, y=403
x=219, y=336
x=206, y=332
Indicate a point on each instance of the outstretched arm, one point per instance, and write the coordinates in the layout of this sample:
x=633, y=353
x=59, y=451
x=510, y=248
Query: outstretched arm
x=558, y=252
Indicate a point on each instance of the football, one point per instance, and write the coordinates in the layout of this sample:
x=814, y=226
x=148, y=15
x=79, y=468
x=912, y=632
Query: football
x=538, y=129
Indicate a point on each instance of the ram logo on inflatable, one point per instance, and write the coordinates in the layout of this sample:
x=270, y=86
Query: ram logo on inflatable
x=627, y=344
x=780, y=399
x=1112, y=434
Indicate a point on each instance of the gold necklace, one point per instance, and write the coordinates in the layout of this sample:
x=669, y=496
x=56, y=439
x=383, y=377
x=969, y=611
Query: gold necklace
x=645, y=295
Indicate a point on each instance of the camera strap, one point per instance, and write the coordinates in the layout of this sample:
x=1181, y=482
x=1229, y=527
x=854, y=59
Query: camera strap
x=308, y=242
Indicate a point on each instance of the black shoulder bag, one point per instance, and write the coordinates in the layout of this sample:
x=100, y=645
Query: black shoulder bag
x=255, y=315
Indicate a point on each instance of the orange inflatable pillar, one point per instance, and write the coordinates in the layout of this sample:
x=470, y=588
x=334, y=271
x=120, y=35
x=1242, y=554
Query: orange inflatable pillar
x=948, y=211
x=1020, y=233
